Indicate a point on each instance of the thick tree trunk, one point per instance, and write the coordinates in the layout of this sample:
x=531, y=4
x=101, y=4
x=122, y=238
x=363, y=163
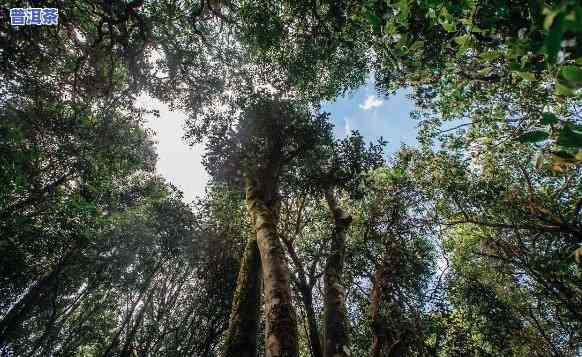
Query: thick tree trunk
x=336, y=334
x=385, y=343
x=280, y=321
x=241, y=338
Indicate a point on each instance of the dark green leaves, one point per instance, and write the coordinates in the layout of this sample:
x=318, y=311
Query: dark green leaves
x=572, y=76
x=554, y=39
x=572, y=73
x=549, y=118
x=570, y=136
x=533, y=136
x=373, y=19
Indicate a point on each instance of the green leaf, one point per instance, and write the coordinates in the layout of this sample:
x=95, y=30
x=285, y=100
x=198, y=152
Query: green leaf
x=533, y=136
x=572, y=20
x=569, y=138
x=462, y=40
x=549, y=118
x=528, y=76
x=563, y=90
x=416, y=45
x=390, y=28
x=539, y=160
x=515, y=67
x=404, y=10
x=489, y=55
x=485, y=71
x=553, y=41
x=374, y=19
x=448, y=26
x=572, y=74
x=549, y=19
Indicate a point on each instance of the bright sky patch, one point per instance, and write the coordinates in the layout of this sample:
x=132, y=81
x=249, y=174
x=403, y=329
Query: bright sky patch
x=372, y=102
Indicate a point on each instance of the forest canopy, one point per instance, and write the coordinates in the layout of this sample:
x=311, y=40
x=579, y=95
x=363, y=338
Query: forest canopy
x=304, y=243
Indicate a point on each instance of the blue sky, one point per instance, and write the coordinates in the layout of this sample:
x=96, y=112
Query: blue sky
x=375, y=116
x=362, y=110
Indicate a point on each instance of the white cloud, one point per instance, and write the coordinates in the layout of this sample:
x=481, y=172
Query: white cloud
x=372, y=102
x=347, y=126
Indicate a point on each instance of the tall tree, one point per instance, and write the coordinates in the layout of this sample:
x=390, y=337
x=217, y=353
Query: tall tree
x=336, y=329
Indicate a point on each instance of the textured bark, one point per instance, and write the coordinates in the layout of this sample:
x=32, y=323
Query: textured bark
x=385, y=342
x=336, y=334
x=241, y=338
x=280, y=320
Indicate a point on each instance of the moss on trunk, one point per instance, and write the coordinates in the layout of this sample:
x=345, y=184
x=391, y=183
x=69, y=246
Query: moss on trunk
x=280, y=320
x=241, y=337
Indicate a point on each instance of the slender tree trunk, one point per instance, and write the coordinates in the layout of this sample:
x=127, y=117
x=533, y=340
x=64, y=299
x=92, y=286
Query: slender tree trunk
x=280, y=320
x=241, y=338
x=378, y=328
x=305, y=289
x=336, y=334
x=128, y=348
x=316, y=350
x=128, y=317
x=385, y=342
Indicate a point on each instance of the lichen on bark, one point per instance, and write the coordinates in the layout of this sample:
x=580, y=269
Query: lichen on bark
x=241, y=337
x=280, y=320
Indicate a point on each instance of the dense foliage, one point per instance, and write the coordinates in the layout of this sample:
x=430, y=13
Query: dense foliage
x=304, y=244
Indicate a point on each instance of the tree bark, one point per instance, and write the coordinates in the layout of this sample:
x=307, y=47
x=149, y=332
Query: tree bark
x=385, y=343
x=280, y=320
x=336, y=334
x=378, y=325
x=241, y=338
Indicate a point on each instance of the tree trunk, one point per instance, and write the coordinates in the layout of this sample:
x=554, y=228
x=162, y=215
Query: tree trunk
x=316, y=350
x=305, y=289
x=385, y=342
x=129, y=315
x=378, y=328
x=280, y=321
x=336, y=334
x=241, y=338
x=128, y=348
